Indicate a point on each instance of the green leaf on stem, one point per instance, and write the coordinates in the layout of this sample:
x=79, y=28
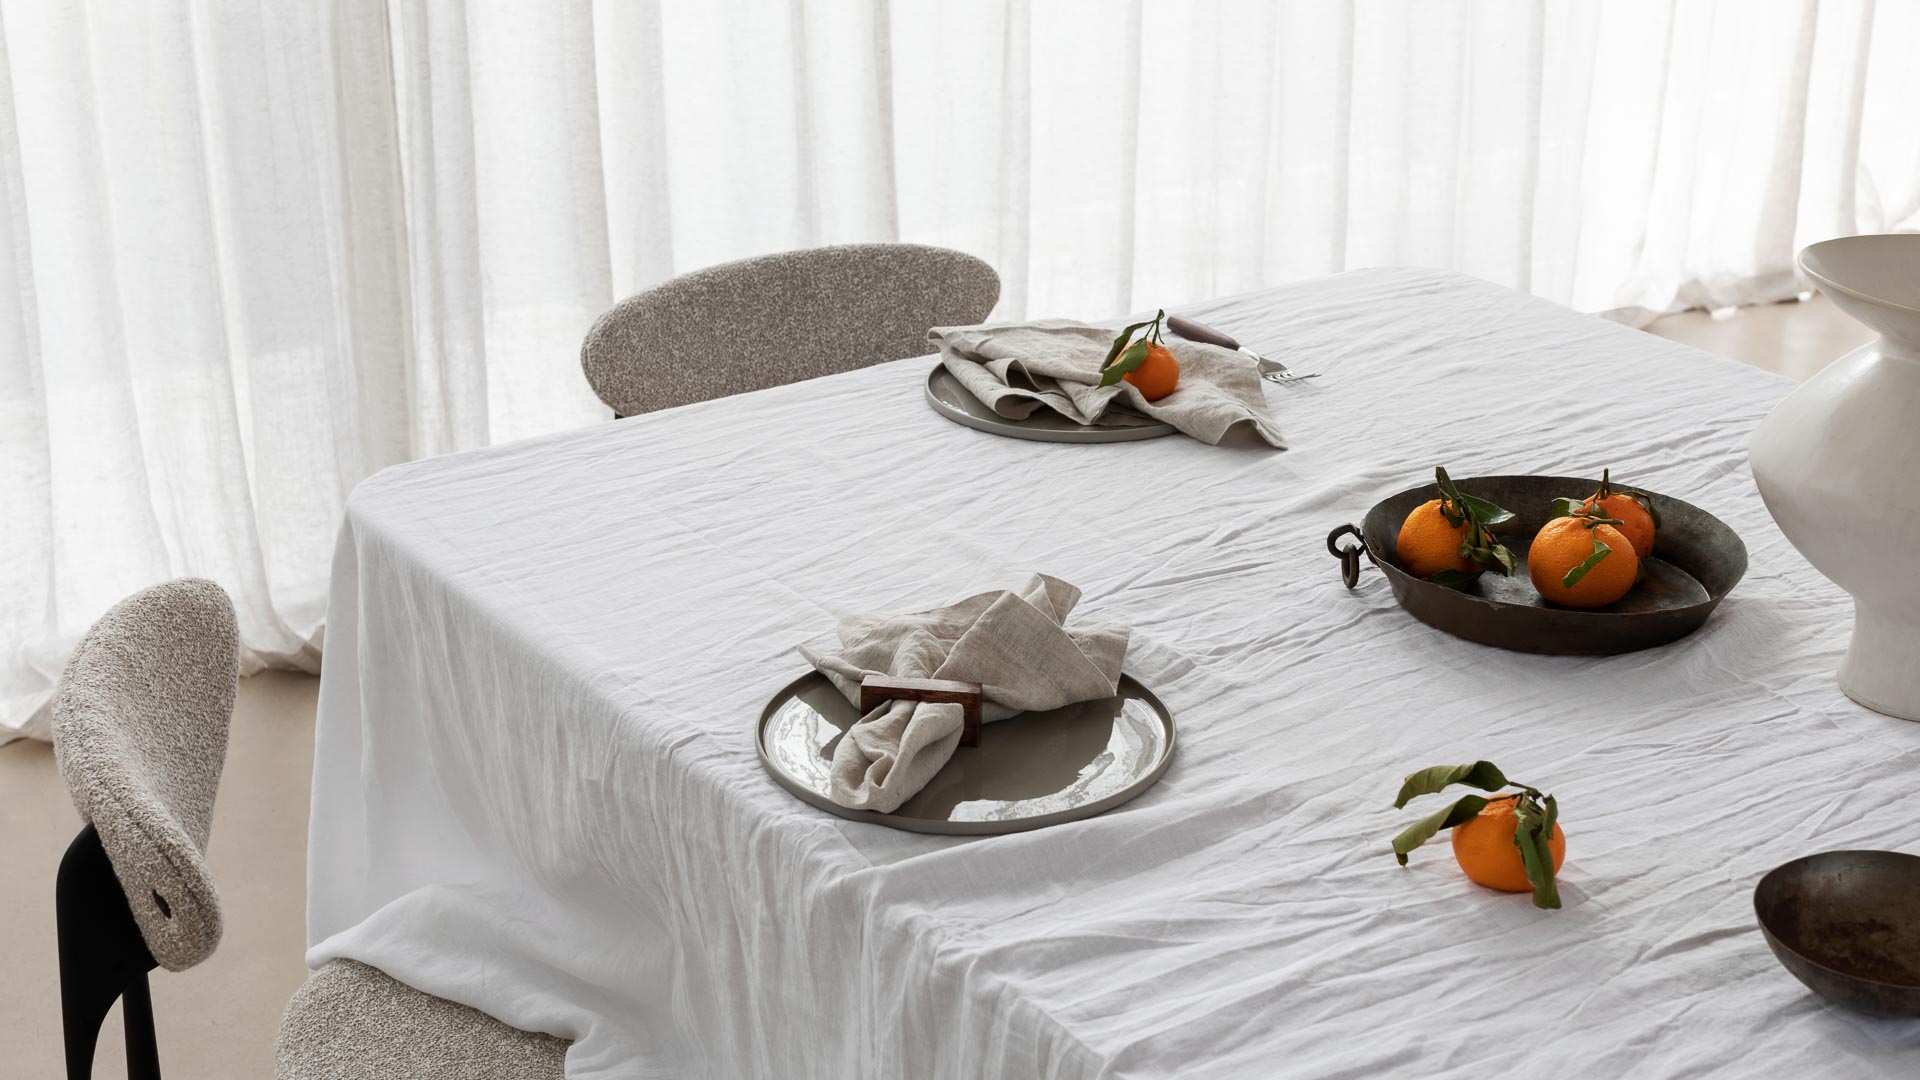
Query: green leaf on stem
x=1533, y=835
x=1600, y=551
x=1488, y=514
x=1445, y=483
x=1462, y=810
x=1505, y=558
x=1121, y=342
x=1455, y=579
x=1478, y=546
x=1132, y=357
x=1484, y=775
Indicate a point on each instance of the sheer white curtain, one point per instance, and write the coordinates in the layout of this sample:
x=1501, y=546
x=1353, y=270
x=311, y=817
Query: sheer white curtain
x=254, y=252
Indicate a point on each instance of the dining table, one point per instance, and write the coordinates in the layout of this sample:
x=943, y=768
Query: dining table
x=536, y=789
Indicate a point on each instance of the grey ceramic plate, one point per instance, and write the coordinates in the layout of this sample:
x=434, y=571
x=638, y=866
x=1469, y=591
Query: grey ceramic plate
x=1029, y=771
x=951, y=400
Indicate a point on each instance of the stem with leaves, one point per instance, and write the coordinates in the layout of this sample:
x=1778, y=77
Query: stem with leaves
x=1592, y=517
x=1606, y=491
x=1478, y=545
x=1534, y=813
x=1128, y=353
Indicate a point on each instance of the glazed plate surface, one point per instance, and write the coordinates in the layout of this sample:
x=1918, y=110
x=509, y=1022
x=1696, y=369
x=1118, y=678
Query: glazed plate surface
x=1029, y=771
x=951, y=400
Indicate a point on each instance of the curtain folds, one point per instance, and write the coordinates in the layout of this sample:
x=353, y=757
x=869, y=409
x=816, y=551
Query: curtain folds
x=254, y=253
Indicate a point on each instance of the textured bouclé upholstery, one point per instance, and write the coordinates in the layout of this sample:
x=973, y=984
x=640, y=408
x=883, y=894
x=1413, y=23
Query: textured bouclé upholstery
x=352, y=1022
x=140, y=730
x=779, y=319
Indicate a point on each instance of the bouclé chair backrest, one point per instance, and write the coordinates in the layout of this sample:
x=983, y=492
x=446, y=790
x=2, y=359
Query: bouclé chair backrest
x=778, y=319
x=140, y=730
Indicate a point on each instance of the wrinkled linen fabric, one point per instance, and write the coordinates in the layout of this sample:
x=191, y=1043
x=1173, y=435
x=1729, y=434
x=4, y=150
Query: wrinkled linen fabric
x=536, y=789
x=1014, y=643
x=1016, y=369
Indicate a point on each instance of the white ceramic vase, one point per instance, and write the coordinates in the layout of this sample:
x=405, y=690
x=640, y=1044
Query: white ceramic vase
x=1838, y=463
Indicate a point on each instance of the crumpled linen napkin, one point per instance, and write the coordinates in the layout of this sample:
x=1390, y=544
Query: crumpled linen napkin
x=1015, y=368
x=1014, y=642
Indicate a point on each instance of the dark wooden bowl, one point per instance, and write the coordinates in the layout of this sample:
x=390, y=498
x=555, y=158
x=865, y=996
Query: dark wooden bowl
x=1847, y=923
x=1697, y=559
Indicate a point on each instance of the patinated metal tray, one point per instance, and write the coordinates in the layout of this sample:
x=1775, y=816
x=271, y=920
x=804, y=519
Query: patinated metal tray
x=1029, y=771
x=950, y=399
x=1697, y=559
x=1847, y=923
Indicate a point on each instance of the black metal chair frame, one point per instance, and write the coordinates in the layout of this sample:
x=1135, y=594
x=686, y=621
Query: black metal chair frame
x=103, y=959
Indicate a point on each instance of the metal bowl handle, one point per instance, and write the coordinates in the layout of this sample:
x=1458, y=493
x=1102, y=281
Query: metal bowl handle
x=1349, y=556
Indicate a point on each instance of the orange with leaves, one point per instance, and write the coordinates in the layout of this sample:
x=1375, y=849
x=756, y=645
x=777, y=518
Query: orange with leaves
x=1143, y=362
x=1484, y=846
x=1634, y=511
x=1510, y=842
x=1449, y=540
x=1582, y=561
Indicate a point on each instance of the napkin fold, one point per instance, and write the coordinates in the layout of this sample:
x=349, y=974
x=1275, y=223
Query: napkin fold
x=1015, y=368
x=1014, y=642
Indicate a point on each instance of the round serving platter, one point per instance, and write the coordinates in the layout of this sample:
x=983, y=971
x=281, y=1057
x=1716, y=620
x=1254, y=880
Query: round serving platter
x=1029, y=771
x=1697, y=559
x=951, y=400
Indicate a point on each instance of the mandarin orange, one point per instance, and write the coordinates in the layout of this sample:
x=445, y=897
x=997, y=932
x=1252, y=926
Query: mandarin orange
x=1157, y=375
x=1485, y=849
x=1566, y=542
x=1635, y=523
x=1428, y=543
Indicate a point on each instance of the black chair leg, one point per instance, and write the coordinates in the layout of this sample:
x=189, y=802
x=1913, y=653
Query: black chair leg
x=143, y=1051
x=102, y=958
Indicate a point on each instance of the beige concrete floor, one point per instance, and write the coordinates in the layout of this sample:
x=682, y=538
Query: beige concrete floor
x=218, y=1020
x=1793, y=339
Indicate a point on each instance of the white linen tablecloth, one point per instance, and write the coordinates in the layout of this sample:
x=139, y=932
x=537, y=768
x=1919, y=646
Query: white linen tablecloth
x=535, y=789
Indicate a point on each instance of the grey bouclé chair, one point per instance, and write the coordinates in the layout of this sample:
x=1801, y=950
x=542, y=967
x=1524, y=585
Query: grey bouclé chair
x=351, y=1022
x=140, y=731
x=778, y=319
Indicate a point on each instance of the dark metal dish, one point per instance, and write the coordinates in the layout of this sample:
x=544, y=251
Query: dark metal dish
x=1697, y=559
x=1847, y=923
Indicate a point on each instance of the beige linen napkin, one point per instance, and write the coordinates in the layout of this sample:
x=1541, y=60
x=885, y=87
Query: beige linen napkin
x=1015, y=368
x=1013, y=642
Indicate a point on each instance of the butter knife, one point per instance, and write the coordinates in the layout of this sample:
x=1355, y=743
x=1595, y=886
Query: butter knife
x=1271, y=370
